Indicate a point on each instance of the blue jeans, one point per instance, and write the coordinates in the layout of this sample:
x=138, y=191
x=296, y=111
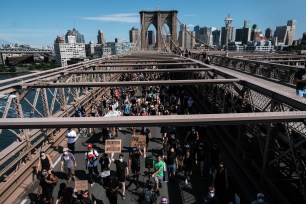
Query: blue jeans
x=301, y=93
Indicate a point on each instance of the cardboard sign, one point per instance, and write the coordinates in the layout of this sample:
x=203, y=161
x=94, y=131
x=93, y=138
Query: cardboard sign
x=81, y=185
x=138, y=140
x=112, y=146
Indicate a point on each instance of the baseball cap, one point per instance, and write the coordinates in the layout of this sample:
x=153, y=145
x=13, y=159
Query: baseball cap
x=89, y=146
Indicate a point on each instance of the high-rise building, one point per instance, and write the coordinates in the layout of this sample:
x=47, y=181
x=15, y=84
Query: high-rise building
x=303, y=41
x=196, y=30
x=206, y=35
x=65, y=51
x=231, y=35
x=243, y=34
x=101, y=39
x=216, y=35
x=285, y=34
x=151, y=38
x=186, y=38
x=134, y=35
x=269, y=33
x=255, y=32
x=78, y=36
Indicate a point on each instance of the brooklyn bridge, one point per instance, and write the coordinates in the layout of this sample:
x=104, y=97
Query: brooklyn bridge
x=246, y=103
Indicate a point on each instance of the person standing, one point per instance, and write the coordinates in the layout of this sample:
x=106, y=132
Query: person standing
x=260, y=199
x=158, y=175
x=91, y=163
x=220, y=181
x=46, y=186
x=111, y=186
x=122, y=171
x=300, y=81
x=68, y=164
x=211, y=198
x=72, y=136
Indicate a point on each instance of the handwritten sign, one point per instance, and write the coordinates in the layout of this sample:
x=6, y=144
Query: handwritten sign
x=112, y=146
x=138, y=140
x=81, y=185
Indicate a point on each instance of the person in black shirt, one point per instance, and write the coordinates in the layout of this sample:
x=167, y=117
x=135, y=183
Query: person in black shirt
x=172, y=162
x=86, y=198
x=300, y=81
x=134, y=163
x=122, y=171
x=105, y=164
x=187, y=166
x=111, y=186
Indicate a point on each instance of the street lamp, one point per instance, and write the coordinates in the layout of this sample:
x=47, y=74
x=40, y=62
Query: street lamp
x=228, y=20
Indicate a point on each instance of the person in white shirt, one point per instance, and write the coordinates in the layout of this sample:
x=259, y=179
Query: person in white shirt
x=72, y=136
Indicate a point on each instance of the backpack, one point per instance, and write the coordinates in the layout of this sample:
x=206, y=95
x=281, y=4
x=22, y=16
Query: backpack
x=92, y=157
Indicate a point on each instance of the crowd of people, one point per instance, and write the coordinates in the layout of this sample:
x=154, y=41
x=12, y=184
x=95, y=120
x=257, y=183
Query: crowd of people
x=184, y=152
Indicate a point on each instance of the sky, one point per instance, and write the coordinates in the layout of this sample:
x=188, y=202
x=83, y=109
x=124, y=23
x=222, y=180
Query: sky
x=38, y=23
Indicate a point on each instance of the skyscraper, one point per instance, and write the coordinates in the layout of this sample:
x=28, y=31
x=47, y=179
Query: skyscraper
x=244, y=34
x=101, y=39
x=216, y=35
x=285, y=34
x=303, y=41
x=231, y=35
x=196, y=29
x=78, y=36
x=255, y=32
x=134, y=33
x=151, y=38
x=268, y=33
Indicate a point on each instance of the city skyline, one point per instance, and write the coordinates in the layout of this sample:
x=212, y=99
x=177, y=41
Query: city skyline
x=39, y=23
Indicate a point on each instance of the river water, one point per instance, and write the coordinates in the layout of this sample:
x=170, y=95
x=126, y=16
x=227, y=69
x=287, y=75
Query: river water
x=6, y=137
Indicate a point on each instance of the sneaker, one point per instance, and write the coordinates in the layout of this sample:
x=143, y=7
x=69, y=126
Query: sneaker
x=123, y=197
x=144, y=156
x=92, y=184
x=69, y=180
x=186, y=181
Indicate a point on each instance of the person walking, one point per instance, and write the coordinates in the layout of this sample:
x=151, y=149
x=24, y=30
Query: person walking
x=111, y=186
x=134, y=163
x=105, y=162
x=46, y=186
x=68, y=164
x=44, y=162
x=122, y=171
x=72, y=136
x=91, y=163
x=158, y=175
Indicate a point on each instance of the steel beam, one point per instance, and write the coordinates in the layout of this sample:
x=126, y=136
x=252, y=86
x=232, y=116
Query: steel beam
x=141, y=70
x=177, y=120
x=147, y=64
x=130, y=83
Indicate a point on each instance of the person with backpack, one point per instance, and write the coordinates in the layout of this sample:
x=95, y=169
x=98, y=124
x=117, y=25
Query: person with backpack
x=46, y=186
x=122, y=171
x=91, y=163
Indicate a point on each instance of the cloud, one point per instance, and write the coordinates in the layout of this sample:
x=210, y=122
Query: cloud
x=121, y=17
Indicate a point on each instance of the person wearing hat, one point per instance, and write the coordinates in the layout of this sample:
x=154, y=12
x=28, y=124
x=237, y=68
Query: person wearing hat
x=44, y=161
x=122, y=171
x=68, y=163
x=91, y=163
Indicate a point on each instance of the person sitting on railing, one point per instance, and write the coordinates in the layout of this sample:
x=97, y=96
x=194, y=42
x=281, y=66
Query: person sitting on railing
x=300, y=81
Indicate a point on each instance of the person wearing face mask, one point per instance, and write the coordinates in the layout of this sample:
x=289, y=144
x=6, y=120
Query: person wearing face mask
x=68, y=164
x=46, y=186
x=44, y=162
x=122, y=171
x=172, y=163
x=260, y=199
x=211, y=197
x=220, y=181
x=91, y=163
